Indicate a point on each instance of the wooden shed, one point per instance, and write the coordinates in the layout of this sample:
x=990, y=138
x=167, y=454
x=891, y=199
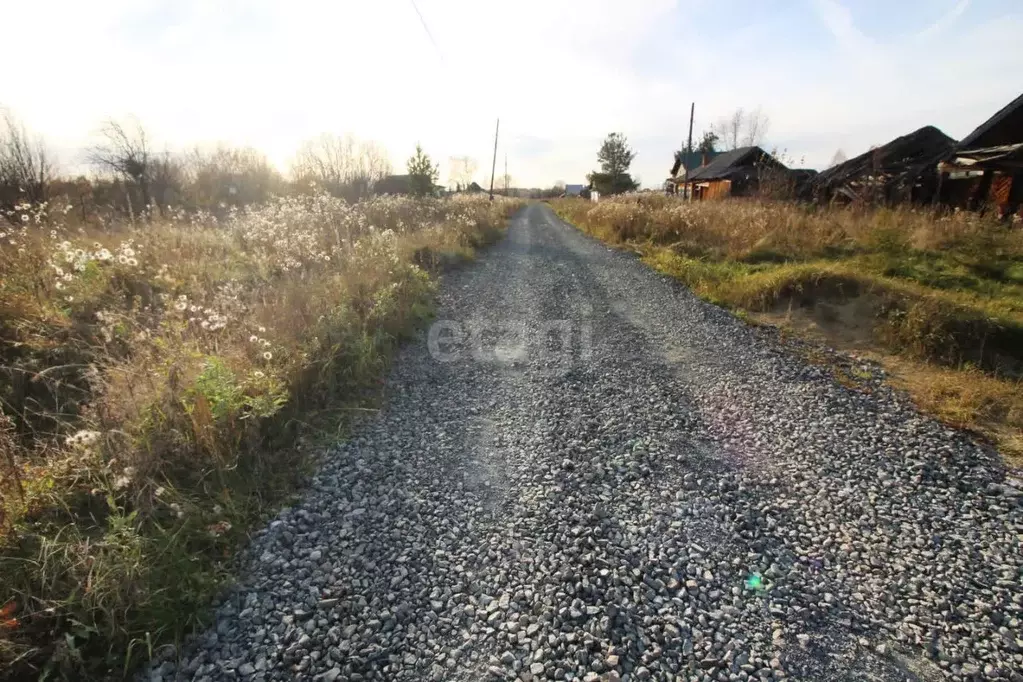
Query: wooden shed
x=986, y=167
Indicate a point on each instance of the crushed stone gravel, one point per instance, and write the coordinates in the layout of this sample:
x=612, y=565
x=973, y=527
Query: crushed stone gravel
x=585, y=473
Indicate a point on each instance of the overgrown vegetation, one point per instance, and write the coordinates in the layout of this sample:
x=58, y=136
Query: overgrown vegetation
x=157, y=380
x=941, y=291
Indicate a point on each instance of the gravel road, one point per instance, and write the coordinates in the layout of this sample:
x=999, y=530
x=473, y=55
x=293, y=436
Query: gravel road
x=585, y=473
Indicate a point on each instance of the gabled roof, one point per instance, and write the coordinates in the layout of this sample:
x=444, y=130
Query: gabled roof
x=899, y=155
x=896, y=166
x=691, y=160
x=1004, y=128
x=729, y=163
x=803, y=174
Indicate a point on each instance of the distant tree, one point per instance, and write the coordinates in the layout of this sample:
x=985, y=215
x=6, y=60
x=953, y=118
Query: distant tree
x=505, y=182
x=615, y=157
x=555, y=190
x=462, y=171
x=26, y=168
x=167, y=178
x=708, y=143
x=230, y=175
x=422, y=173
x=757, y=124
x=742, y=128
x=124, y=151
x=838, y=158
x=344, y=166
x=728, y=129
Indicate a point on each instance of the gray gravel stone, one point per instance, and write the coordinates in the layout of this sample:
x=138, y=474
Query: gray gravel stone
x=676, y=496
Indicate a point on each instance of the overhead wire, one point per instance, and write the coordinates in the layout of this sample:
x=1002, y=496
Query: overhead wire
x=426, y=28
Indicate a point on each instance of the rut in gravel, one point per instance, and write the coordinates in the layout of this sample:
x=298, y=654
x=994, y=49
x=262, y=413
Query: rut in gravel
x=585, y=473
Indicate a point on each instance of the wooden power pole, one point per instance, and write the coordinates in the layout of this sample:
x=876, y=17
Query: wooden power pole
x=689, y=149
x=493, y=165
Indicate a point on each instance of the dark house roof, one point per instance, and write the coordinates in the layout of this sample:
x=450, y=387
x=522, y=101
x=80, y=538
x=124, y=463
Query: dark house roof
x=803, y=174
x=895, y=168
x=734, y=164
x=691, y=160
x=1004, y=128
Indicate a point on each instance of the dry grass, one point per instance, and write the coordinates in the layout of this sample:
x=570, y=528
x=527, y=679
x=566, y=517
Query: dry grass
x=154, y=380
x=967, y=398
x=941, y=291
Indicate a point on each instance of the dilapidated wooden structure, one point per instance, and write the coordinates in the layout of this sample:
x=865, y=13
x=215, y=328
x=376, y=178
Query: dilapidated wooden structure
x=900, y=171
x=986, y=167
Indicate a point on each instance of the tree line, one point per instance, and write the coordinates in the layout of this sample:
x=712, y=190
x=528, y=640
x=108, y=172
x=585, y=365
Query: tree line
x=128, y=173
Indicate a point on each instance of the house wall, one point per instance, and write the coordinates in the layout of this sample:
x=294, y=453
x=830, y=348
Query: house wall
x=964, y=192
x=1001, y=185
x=714, y=189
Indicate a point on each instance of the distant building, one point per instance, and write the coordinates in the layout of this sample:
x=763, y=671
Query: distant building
x=686, y=162
x=573, y=190
x=733, y=173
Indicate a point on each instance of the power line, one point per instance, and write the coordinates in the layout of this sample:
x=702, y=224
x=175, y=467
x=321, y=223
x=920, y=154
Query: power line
x=427, y=29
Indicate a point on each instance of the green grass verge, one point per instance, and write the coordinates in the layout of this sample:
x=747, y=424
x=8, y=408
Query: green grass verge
x=957, y=311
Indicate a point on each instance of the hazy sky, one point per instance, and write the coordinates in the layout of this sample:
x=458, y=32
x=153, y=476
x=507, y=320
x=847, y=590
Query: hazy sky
x=561, y=74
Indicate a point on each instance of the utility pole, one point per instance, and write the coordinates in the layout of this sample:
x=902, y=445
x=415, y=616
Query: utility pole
x=689, y=148
x=493, y=165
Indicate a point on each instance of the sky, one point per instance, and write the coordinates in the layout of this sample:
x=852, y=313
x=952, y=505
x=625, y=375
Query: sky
x=560, y=74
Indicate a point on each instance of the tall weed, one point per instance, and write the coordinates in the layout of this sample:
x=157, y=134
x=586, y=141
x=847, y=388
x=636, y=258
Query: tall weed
x=154, y=382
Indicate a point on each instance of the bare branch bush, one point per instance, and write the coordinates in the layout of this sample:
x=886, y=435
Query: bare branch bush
x=230, y=175
x=124, y=152
x=742, y=128
x=26, y=167
x=462, y=171
x=342, y=165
